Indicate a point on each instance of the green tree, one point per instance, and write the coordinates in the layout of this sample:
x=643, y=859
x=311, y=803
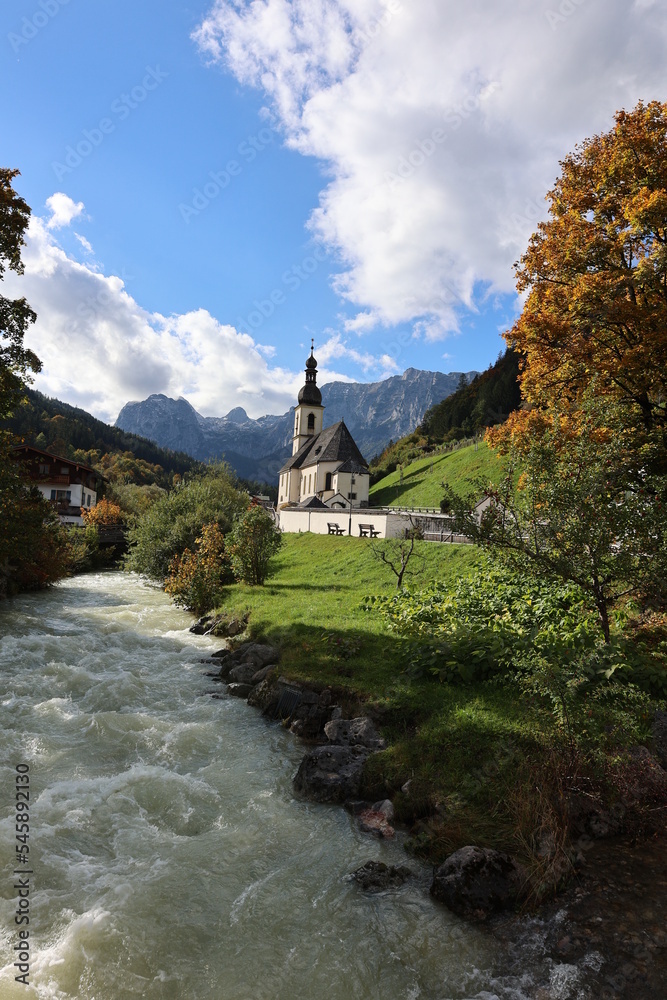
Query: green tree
x=582, y=502
x=16, y=361
x=254, y=539
x=32, y=542
x=174, y=521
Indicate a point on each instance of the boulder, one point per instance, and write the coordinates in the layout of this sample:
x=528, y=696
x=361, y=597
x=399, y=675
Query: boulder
x=264, y=696
x=331, y=773
x=239, y=690
x=375, y=820
x=375, y=876
x=243, y=673
x=354, y=732
x=201, y=626
x=475, y=882
x=257, y=654
x=261, y=675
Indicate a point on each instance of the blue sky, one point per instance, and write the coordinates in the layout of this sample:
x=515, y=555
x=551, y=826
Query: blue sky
x=215, y=183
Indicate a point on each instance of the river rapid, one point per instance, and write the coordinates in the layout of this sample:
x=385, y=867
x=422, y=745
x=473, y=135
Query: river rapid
x=168, y=855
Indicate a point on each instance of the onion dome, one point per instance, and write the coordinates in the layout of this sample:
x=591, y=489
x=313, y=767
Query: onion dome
x=309, y=393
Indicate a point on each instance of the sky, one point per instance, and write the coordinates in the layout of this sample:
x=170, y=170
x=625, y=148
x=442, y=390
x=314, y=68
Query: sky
x=215, y=183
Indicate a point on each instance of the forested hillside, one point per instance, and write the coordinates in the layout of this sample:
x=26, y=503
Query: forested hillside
x=72, y=432
x=485, y=401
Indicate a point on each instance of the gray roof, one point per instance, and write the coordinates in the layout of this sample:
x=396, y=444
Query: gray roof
x=334, y=444
x=312, y=502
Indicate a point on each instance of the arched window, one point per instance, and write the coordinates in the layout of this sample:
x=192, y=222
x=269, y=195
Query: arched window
x=327, y=481
x=311, y=421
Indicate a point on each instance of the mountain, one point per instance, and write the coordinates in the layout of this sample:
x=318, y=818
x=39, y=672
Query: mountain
x=64, y=429
x=375, y=413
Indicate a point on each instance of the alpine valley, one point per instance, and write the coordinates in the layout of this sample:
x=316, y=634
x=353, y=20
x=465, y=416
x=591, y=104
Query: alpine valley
x=375, y=413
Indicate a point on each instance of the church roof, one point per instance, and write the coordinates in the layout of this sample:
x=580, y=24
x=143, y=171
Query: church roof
x=312, y=502
x=334, y=444
x=355, y=467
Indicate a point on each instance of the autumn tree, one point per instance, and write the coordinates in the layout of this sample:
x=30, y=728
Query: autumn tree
x=197, y=576
x=596, y=274
x=591, y=437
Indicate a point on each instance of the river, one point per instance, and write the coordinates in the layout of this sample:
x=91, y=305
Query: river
x=168, y=857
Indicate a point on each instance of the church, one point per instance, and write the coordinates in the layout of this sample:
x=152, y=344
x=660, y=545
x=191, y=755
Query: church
x=326, y=469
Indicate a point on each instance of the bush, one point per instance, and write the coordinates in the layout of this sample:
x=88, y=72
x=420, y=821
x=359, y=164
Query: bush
x=196, y=578
x=176, y=520
x=254, y=540
x=497, y=622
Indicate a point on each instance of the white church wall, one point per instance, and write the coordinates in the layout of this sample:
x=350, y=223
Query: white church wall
x=359, y=523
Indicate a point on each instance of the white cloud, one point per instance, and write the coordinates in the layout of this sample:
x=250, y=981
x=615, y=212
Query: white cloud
x=63, y=210
x=337, y=349
x=440, y=124
x=84, y=243
x=99, y=348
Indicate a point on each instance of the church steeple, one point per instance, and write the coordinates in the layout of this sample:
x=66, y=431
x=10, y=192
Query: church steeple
x=309, y=413
x=309, y=392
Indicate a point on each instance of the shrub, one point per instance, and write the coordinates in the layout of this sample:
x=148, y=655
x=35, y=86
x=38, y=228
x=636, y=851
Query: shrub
x=254, y=539
x=175, y=521
x=196, y=577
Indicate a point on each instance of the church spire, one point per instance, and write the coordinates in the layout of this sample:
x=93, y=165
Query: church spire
x=310, y=393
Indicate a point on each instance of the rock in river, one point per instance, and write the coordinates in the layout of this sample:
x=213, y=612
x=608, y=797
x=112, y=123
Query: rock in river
x=331, y=773
x=475, y=882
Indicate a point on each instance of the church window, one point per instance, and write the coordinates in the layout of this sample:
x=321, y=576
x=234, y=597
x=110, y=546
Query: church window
x=352, y=496
x=311, y=421
x=327, y=481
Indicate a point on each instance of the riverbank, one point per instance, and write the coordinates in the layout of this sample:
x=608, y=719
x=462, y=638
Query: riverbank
x=171, y=857
x=465, y=763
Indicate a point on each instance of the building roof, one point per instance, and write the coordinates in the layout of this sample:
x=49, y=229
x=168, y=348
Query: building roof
x=334, y=444
x=312, y=502
x=24, y=450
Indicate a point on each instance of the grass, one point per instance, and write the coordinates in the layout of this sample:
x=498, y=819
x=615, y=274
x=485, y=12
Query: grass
x=314, y=595
x=425, y=478
x=461, y=748
x=465, y=763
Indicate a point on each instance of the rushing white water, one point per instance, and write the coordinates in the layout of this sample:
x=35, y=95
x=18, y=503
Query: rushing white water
x=170, y=857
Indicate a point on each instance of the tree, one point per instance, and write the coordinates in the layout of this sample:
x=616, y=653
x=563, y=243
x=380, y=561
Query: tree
x=253, y=541
x=16, y=361
x=174, y=522
x=596, y=274
x=591, y=440
x=196, y=578
x=585, y=507
x=104, y=514
x=32, y=542
x=396, y=553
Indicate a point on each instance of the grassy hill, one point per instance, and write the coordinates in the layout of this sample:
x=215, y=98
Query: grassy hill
x=424, y=480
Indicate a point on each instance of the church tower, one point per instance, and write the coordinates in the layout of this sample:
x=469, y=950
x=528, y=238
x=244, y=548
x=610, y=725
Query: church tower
x=309, y=413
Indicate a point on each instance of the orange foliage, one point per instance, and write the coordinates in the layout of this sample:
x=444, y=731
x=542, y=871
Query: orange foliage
x=596, y=274
x=104, y=513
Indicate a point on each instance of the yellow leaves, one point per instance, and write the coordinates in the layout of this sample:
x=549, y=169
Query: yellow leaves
x=106, y=513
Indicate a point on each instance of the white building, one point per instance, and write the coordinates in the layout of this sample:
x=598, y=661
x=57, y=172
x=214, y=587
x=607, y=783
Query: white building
x=68, y=485
x=326, y=468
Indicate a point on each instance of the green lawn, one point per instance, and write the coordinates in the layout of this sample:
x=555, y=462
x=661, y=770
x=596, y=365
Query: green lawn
x=424, y=479
x=462, y=747
x=316, y=591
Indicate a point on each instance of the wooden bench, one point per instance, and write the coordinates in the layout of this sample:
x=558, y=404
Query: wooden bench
x=334, y=529
x=368, y=531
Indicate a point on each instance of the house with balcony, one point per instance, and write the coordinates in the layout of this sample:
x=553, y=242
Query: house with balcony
x=66, y=484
